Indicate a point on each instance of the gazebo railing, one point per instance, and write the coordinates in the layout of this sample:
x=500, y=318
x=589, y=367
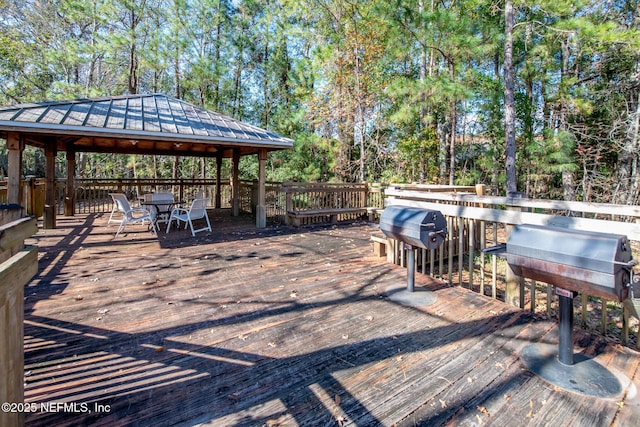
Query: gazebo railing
x=92, y=195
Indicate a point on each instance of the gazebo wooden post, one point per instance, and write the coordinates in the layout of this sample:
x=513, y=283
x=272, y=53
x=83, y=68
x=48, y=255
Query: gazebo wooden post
x=235, y=184
x=15, y=145
x=50, y=151
x=218, y=200
x=97, y=127
x=261, y=210
x=70, y=198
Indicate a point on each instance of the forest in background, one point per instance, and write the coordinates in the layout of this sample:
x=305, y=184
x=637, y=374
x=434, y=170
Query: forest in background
x=377, y=90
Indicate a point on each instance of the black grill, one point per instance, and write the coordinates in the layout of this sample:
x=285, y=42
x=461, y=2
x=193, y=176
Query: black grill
x=416, y=228
x=419, y=228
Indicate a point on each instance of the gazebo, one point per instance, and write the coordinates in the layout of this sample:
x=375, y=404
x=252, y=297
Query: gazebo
x=130, y=124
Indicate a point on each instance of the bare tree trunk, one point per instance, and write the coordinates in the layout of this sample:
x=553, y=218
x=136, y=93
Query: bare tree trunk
x=627, y=190
x=155, y=167
x=443, y=140
x=82, y=164
x=175, y=169
x=632, y=195
x=176, y=73
x=216, y=77
x=509, y=102
x=452, y=144
x=568, y=185
x=423, y=112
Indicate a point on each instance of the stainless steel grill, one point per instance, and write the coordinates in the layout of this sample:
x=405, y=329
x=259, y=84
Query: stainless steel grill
x=593, y=263
x=597, y=264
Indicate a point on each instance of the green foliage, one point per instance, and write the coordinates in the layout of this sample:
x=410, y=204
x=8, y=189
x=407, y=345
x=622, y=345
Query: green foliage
x=368, y=89
x=312, y=160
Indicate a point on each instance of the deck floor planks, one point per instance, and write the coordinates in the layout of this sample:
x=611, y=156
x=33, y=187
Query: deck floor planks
x=469, y=396
x=388, y=389
x=280, y=327
x=452, y=377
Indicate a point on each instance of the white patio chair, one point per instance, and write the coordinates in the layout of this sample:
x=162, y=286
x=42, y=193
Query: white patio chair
x=116, y=207
x=197, y=210
x=130, y=215
x=199, y=195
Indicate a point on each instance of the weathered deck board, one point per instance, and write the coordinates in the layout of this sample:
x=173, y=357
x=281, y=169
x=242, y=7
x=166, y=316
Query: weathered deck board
x=283, y=326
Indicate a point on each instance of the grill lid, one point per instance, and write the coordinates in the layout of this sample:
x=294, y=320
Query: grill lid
x=595, y=251
x=417, y=227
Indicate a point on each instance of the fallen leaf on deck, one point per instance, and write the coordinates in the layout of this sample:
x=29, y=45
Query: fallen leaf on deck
x=483, y=410
x=159, y=349
x=79, y=298
x=337, y=399
x=103, y=311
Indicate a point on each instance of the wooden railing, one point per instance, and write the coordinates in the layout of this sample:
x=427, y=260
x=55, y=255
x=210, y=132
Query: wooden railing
x=476, y=222
x=311, y=203
x=32, y=195
x=18, y=265
x=92, y=195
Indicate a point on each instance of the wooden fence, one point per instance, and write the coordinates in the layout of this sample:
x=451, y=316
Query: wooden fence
x=18, y=265
x=476, y=222
x=32, y=195
x=92, y=195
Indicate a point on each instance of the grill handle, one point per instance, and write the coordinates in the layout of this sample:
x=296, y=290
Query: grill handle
x=497, y=250
x=629, y=264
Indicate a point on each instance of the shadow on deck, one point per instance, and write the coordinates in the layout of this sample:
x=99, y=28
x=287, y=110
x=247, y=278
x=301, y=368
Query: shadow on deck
x=281, y=326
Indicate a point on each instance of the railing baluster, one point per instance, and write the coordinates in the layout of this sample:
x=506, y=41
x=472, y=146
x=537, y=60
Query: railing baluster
x=472, y=249
x=460, y=248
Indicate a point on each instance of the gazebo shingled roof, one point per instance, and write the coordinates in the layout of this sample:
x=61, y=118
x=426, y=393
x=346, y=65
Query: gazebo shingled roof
x=137, y=124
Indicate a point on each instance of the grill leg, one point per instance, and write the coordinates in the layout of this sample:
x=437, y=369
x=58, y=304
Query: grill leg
x=565, y=351
x=586, y=376
x=411, y=267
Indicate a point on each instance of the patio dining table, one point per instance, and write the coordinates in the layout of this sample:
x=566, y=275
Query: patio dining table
x=162, y=209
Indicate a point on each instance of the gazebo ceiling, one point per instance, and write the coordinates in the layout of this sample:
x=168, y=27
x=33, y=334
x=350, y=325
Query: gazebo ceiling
x=136, y=124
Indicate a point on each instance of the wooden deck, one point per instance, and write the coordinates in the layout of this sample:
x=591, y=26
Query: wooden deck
x=279, y=327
